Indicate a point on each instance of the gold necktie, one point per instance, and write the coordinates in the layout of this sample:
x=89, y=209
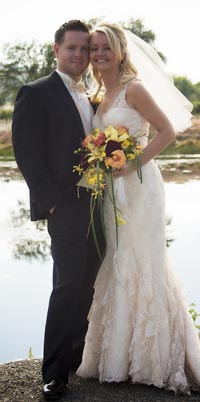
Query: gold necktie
x=77, y=86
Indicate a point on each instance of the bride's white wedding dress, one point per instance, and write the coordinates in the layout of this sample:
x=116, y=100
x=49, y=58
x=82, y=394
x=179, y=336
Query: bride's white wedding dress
x=139, y=324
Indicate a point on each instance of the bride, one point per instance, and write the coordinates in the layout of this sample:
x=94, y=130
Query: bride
x=139, y=325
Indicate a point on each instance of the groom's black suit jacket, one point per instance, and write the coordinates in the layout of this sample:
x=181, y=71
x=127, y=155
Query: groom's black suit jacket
x=47, y=128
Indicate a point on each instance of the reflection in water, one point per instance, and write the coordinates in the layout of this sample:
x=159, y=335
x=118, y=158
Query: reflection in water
x=29, y=248
x=25, y=274
x=22, y=215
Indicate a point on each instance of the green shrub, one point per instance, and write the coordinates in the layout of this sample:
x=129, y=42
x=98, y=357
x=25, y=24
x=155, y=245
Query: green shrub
x=196, y=109
x=194, y=314
x=6, y=114
x=5, y=152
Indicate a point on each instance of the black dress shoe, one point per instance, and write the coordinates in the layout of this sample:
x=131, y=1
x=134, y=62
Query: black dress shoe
x=54, y=390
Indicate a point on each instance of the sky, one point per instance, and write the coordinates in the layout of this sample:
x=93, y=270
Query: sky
x=176, y=24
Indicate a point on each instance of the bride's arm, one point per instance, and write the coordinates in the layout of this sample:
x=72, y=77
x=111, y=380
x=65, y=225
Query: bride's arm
x=139, y=98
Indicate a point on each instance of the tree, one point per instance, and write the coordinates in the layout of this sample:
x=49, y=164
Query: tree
x=184, y=85
x=137, y=27
x=24, y=62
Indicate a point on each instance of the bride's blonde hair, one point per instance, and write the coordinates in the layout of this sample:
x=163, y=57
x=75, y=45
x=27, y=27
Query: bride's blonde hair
x=118, y=44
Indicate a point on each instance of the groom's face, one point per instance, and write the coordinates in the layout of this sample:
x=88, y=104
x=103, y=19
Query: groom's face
x=72, y=54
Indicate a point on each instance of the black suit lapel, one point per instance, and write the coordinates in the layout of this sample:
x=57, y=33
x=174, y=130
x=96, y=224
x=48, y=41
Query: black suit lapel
x=63, y=93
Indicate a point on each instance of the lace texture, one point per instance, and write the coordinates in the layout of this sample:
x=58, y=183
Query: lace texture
x=139, y=324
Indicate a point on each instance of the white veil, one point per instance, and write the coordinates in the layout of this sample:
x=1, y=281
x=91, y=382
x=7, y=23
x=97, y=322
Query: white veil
x=152, y=73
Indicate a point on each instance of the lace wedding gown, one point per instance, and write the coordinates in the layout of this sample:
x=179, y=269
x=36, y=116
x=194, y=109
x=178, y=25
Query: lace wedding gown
x=139, y=324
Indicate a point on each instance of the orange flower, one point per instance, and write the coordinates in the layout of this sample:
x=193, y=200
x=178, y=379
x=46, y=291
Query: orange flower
x=86, y=141
x=100, y=140
x=121, y=129
x=118, y=159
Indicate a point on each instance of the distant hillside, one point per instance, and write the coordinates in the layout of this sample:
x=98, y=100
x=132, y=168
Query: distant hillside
x=192, y=133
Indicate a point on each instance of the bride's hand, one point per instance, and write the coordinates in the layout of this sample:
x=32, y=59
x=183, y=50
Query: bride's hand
x=124, y=171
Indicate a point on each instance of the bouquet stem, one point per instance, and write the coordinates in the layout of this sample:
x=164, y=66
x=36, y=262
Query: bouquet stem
x=114, y=204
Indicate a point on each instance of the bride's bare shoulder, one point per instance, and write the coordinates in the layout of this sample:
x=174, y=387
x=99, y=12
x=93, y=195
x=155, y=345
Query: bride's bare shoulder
x=136, y=92
x=135, y=86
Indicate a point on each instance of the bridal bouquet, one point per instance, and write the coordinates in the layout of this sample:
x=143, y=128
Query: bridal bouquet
x=101, y=152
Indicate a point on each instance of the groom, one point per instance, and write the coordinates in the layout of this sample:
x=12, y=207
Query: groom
x=51, y=117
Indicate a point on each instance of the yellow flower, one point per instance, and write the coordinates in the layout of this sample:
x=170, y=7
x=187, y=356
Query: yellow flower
x=120, y=220
x=111, y=133
x=96, y=154
x=100, y=177
x=125, y=144
x=131, y=157
x=96, y=194
x=93, y=157
x=92, y=179
x=78, y=169
x=96, y=131
x=123, y=137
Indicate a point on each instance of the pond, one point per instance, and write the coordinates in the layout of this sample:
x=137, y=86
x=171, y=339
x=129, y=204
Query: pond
x=26, y=265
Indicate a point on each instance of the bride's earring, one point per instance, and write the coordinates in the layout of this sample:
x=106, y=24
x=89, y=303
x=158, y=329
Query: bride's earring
x=121, y=65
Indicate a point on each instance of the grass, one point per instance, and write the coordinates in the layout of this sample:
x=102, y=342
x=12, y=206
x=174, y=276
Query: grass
x=6, y=152
x=184, y=147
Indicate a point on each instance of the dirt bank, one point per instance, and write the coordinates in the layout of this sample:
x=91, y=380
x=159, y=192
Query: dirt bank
x=21, y=381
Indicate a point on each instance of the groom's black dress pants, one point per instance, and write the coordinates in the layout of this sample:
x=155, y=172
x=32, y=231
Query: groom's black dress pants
x=76, y=263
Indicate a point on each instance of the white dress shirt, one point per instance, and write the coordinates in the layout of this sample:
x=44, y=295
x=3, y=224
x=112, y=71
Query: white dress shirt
x=85, y=110
x=81, y=100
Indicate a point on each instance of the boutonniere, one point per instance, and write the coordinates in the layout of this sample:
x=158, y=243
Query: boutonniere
x=98, y=98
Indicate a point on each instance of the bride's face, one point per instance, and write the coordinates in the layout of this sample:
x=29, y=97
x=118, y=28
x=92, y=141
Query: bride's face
x=102, y=57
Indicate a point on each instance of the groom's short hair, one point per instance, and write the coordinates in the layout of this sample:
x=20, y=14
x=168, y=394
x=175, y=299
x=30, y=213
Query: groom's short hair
x=72, y=25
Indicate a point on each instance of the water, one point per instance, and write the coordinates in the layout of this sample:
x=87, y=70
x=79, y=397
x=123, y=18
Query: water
x=183, y=200
x=25, y=281
x=26, y=266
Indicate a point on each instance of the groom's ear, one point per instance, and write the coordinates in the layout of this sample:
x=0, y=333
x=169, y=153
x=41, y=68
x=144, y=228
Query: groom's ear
x=56, y=49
